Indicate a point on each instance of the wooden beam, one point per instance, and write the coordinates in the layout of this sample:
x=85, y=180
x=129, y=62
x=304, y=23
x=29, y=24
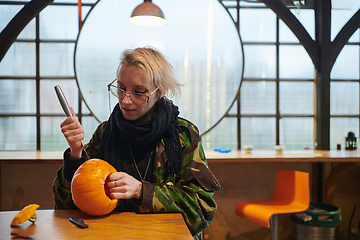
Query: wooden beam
x=278, y=7
x=343, y=36
x=322, y=78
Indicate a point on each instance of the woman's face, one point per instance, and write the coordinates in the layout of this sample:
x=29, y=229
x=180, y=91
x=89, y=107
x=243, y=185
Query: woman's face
x=134, y=85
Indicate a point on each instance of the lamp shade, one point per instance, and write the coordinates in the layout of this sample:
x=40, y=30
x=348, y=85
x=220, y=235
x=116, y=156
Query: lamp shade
x=147, y=14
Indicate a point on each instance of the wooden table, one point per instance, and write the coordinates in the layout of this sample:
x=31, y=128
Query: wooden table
x=54, y=224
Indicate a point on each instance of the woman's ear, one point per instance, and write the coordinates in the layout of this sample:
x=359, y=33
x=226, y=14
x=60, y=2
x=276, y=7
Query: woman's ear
x=161, y=93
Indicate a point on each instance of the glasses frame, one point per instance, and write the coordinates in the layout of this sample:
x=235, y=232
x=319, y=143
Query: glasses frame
x=129, y=94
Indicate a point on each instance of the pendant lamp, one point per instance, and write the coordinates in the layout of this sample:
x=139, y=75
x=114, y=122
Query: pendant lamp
x=147, y=14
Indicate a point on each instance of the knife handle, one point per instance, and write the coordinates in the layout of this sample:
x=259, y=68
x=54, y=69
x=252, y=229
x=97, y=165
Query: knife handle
x=62, y=99
x=64, y=104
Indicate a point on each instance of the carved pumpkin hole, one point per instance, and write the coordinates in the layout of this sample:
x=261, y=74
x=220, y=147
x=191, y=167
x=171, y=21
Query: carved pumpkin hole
x=107, y=191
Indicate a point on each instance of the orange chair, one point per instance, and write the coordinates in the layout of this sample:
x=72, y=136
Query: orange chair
x=291, y=195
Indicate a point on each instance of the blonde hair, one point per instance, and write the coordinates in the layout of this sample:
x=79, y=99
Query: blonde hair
x=154, y=66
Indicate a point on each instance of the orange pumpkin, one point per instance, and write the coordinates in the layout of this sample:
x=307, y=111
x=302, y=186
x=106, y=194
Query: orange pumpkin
x=89, y=190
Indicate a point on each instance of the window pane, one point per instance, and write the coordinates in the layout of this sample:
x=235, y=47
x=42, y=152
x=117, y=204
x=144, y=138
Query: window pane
x=28, y=32
x=230, y=4
x=260, y=61
x=306, y=18
x=75, y=1
x=49, y=102
x=297, y=133
x=223, y=135
x=18, y=133
x=89, y=124
x=258, y=97
x=297, y=97
x=233, y=109
x=51, y=135
x=257, y=25
x=339, y=128
x=7, y=12
x=259, y=132
x=355, y=37
x=341, y=14
x=251, y=4
x=17, y=96
x=65, y=18
x=295, y=63
x=85, y=109
x=21, y=0
x=56, y=59
x=85, y=10
x=347, y=64
x=344, y=98
x=353, y=5
x=19, y=60
x=233, y=13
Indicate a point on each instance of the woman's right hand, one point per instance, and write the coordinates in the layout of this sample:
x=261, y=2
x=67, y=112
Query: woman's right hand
x=74, y=134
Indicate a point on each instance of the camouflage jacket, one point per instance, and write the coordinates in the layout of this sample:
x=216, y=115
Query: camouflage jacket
x=189, y=192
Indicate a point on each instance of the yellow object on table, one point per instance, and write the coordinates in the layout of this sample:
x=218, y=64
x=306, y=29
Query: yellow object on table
x=25, y=214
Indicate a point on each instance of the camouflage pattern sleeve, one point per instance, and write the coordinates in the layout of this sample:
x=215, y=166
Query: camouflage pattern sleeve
x=190, y=192
x=61, y=185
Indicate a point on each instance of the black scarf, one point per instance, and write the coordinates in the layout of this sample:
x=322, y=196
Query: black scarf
x=121, y=133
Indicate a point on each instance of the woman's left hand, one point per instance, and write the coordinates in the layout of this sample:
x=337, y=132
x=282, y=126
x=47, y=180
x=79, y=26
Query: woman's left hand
x=123, y=186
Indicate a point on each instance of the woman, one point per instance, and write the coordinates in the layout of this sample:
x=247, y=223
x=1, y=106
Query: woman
x=159, y=158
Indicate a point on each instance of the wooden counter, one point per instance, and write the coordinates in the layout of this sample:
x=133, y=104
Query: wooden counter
x=31, y=156
x=346, y=159
x=287, y=156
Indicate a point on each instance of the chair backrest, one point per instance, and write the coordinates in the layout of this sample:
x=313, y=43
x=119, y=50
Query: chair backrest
x=292, y=186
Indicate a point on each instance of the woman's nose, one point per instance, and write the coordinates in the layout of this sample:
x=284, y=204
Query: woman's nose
x=127, y=98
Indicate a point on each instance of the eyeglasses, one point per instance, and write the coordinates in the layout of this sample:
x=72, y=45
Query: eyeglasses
x=136, y=97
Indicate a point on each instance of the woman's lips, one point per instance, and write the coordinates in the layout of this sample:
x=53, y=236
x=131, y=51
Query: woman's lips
x=128, y=109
